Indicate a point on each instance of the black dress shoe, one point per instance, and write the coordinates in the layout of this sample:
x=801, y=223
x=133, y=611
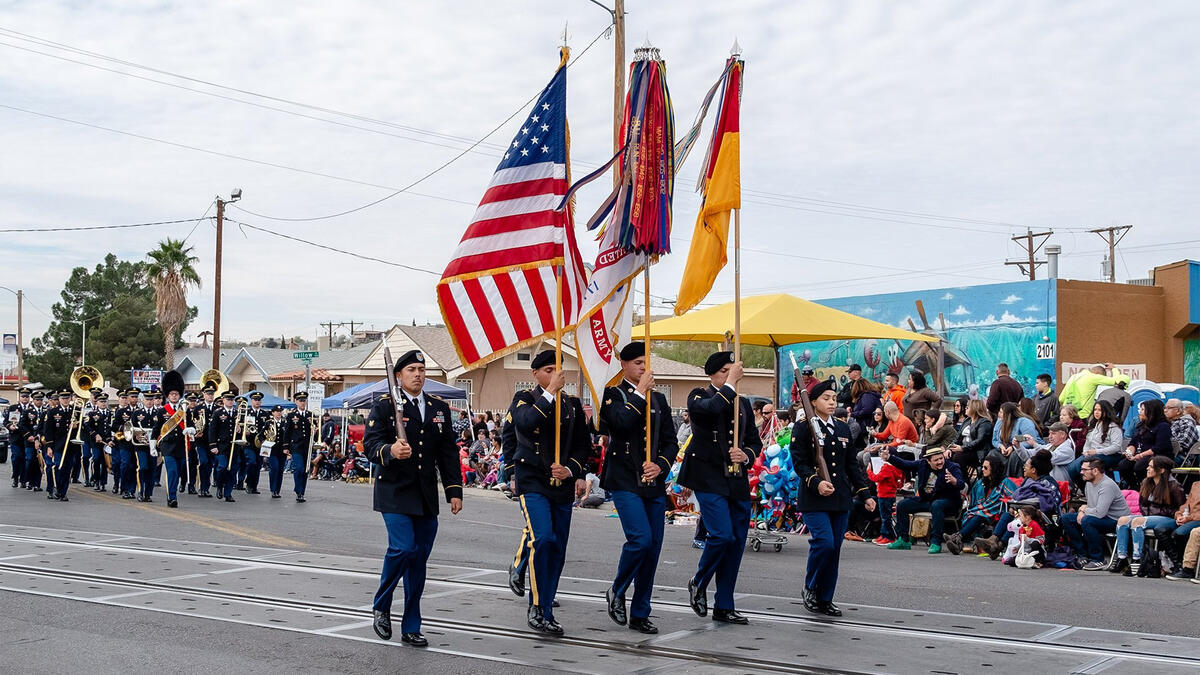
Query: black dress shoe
x=643, y=626
x=516, y=581
x=300, y=499
x=811, y=603
x=148, y=500
x=274, y=495
x=697, y=598
x=86, y=483
x=205, y=495
x=830, y=609
x=254, y=492
x=616, y=607
x=172, y=504
x=115, y=490
x=382, y=624
x=414, y=639
x=552, y=627
x=51, y=495
x=63, y=498
x=729, y=616
x=230, y=499
x=191, y=491
x=554, y=604
x=535, y=619
x=126, y=495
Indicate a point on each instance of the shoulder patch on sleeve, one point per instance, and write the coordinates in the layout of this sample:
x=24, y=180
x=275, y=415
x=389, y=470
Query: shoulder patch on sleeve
x=520, y=403
x=371, y=423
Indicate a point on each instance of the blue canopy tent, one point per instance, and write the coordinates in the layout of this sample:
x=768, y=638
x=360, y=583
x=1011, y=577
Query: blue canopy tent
x=270, y=401
x=362, y=395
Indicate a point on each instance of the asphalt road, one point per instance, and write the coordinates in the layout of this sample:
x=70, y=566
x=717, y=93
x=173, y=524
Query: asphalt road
x=337, y=520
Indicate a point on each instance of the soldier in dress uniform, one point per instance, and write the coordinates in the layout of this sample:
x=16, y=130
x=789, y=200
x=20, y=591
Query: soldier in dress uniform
x=145, y=461
x=636, y=484
x=298, y=429
x=88, y=439
x=220, y=443
x=406, y=490
x=172, y=445
x=825, y=503
x=16, y=450
x=157, y=417
x=98, y=433
x=547, y=487
x=206, y=458
x=276, y=461
x=715, y=469
x=251, y=459
x=31, y=431
x=123, y=455
x=58, y=452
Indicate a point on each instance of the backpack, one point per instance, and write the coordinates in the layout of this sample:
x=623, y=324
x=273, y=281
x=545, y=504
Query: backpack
x=1151, y=565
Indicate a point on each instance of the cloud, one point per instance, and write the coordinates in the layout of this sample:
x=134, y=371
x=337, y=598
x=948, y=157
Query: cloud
x=868, y=311
x=960, y=311
x=1033, y=308
x=1011, y=300
x=948, y=296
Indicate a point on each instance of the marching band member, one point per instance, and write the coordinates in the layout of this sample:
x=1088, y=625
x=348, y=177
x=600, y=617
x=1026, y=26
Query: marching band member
x=220, y=442
x=298, y=434
x=251, y=459
x=278, y=457
x=406, y=490
x=123, y=469
x=13, y=416
x=56, y=430
x=172, y=443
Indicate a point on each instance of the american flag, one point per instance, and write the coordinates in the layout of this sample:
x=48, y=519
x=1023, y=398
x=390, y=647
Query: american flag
x=497, y=294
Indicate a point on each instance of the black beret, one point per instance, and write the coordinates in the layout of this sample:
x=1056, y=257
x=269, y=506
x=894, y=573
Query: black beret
x=820, y=388
x=300, y=396
x=543, y=359
x=256, y=395
x=409, y=357
x=854, y=367
x=633, y=350
x=717, y=361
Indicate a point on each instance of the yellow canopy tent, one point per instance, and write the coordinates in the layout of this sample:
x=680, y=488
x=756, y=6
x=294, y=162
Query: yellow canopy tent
x=777, y=320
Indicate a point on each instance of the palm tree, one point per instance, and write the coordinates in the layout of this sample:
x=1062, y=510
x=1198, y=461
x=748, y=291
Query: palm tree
x=170, y=272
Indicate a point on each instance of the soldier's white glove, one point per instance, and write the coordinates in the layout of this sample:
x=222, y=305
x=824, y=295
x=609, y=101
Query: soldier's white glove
x=190, y=432
x=153, y=448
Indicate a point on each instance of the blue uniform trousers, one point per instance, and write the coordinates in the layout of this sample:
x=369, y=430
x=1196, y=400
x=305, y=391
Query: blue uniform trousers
x=128, y=471
x=99, y=470
x=51, y=471
x=275, y=473
x=66, y=462
x=410, y=540
x=205, y=461
x=146, y=467
x=299, y=473
x=521, y=559
x=85, y=462
x=16, y=454
x=827, y=529
x=171, y=464
x=33, y=470
x=550, y=527
x=727, y=521
x=225, y=473
x=643, y=522
x=253, y=466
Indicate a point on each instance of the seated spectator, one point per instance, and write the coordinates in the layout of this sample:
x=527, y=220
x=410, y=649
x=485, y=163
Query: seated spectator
x=975, y=438
x=1030, y=540
x=1086, y=527
x=1120, y=399
x=1183, y=429
x=1151, y=437
x=933, y=436
x=887, y=481
x=1104, y=440
x=959, y=414
x=919, y=396
x=1061, y=449
x=1158, y=499
x=1077, y=428
x=1011, y=437
x=939, y=483
x=1028, y=409
x=865, y=396
x=1045, y=402
x=899, y=428
x=468, y=469
x=1037, y=485
x=985, y=504
x=1191, y=552
x=482, y=444
x=1187, y=516
x=591, y=494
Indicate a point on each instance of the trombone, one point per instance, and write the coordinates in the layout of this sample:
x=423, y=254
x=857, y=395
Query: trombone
x=83, y=379
x=244, y=425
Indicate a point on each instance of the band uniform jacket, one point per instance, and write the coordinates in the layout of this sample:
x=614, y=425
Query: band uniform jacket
x=280, y=426
x=56, y=426
x=121, y=416
x=623, y=419
x=508, y=444
x=297, y=431
x=96, y=423
x=409, y=486
x=144, y=418
x=262, y=419
x=30, y=427
x=219, y=428
x=173, y=443
x=707, y=455
x=534, y=425
x=845, y=472
x=200, y=442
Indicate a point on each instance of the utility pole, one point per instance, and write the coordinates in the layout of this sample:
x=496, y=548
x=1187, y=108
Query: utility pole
x=216, y=351
x=20, y=341
x=1113, y=236
x=1029, y=242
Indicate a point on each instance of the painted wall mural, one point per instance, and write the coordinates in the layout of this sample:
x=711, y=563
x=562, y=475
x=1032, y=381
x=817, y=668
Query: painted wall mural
x=981, y=326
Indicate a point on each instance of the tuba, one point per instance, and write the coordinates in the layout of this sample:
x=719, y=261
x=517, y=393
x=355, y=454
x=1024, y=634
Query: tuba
x=217, y=379
x=83, y=379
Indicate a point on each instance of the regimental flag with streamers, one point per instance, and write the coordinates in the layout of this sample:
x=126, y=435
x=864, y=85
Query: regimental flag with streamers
x=721, y=187
x=498, y=292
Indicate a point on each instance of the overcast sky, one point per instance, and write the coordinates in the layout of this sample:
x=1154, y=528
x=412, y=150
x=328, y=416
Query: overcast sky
x=877, y=133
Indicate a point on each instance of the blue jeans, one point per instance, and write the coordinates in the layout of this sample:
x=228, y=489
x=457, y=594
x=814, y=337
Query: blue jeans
x=885, y=506
x=973, y=524
x=1185, y=529
x=1087, y=535
x=824, y=551
x=410, y=540
x=938, y=510
x=1110, y=463
x=727, y=521
x=550, y=528
x=1126, y=534
x=643, y=522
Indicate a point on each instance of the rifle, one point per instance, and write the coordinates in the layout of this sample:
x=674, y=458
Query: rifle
x=818, y=438
x=397, y=401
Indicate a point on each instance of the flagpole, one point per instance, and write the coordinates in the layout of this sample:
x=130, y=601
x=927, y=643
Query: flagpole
x=558, y=308
x=737, y=317
x=646, y=326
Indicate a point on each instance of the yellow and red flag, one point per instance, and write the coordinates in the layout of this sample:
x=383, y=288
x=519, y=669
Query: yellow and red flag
x=721, y=187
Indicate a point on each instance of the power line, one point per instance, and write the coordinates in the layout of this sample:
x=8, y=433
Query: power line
x=94, y=227
x=334, y=249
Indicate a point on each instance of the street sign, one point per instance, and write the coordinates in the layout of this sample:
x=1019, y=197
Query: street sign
x=306, y=356
x=316, y=394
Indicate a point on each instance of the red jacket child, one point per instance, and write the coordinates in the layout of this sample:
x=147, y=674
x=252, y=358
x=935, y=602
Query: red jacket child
x=887, y=481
